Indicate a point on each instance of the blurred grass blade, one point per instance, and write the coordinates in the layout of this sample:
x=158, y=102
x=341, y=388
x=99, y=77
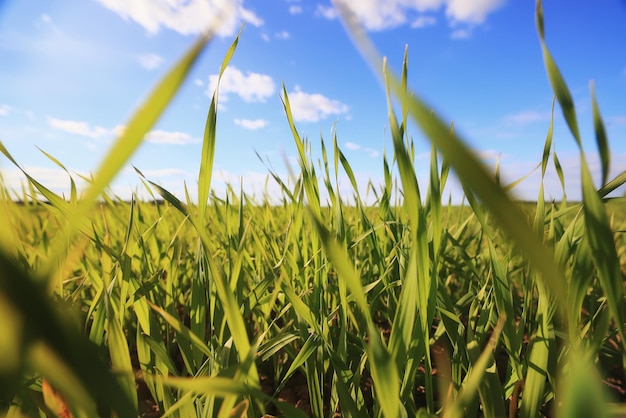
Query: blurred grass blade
x=138, y=126
x=466, y=164
x=601, y=138
x=33, y=309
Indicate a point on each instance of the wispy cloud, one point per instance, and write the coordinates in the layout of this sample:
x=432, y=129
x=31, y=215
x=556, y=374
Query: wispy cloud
x=46, y=20
x=379, y=15
x=423, y=21
x=526, y=117
x=311, y=107
x=4, y=110
x=295, y=9
x=81, y=128
x=327, y=12
x=460, y=34
x=165, y=172
x=474, y=12
x=169, y=137
x=185, y=17
x=251, y=124
x=282, y=35
x=78, y=128
x=356, y=147
x=150, y=61
x=251, y=87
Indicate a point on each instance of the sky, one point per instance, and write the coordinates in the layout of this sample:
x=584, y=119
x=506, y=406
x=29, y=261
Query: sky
x=73, y=71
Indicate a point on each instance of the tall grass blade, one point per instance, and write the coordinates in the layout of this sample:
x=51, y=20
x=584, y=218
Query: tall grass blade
x=601, y=137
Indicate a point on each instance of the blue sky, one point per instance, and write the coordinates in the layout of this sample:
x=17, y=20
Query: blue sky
x=73, y=71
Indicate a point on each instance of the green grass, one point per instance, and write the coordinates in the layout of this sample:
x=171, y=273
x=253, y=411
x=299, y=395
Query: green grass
x=236, y=307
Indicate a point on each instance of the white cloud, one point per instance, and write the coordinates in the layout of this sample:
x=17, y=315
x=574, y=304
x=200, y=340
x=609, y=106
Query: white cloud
x=150, y=61
x=380, y=15
x=4, y=110
x=168, y=137
x=356, y=147
x=250, y=17
x=474, y=11
x=55, y=179
x=423, y=21
x=265, y=37
x=372, y=152
x=282, y=35
x=307, y=107
x=78, y=128
x=158, y=136
x=198, y=82
x=252, y=125
x=460, y=34
x=165, y=172
x=46, y=20
x=526, y=117
x=295, y=9
x=252, y=87
x=186, y=17
x=327, y=12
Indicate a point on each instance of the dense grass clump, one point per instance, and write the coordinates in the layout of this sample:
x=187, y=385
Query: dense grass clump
x=234, y=307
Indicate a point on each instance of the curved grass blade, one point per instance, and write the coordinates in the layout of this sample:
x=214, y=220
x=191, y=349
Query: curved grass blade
x=601, y=138
x=598, y=229
x=468, y=167
x=34, y=310
x=138, y=126
x=208, y=145
x=557, y=82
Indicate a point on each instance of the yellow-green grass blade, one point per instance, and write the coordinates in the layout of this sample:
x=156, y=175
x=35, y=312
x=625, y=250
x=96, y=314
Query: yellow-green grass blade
x=307, y=350
x=383, y=368
x=559, y=172
x=582, y=391
x=601, y=137
x=32, y=308
x=120, y=354
x=309, y=180
x=73, y=193
x=557, y=82
x=476, y=374
x=138, y=126
x=467, y=166
x=57, y=373
x=548, y=144
x=612, y=185
x=208, y=144
x=537, y=363
x=602, y=243
x=598, y=230
x=182, y=330
x=56, y=201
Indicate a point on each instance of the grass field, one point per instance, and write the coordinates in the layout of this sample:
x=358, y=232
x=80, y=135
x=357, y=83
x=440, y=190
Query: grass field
x=235, y=307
